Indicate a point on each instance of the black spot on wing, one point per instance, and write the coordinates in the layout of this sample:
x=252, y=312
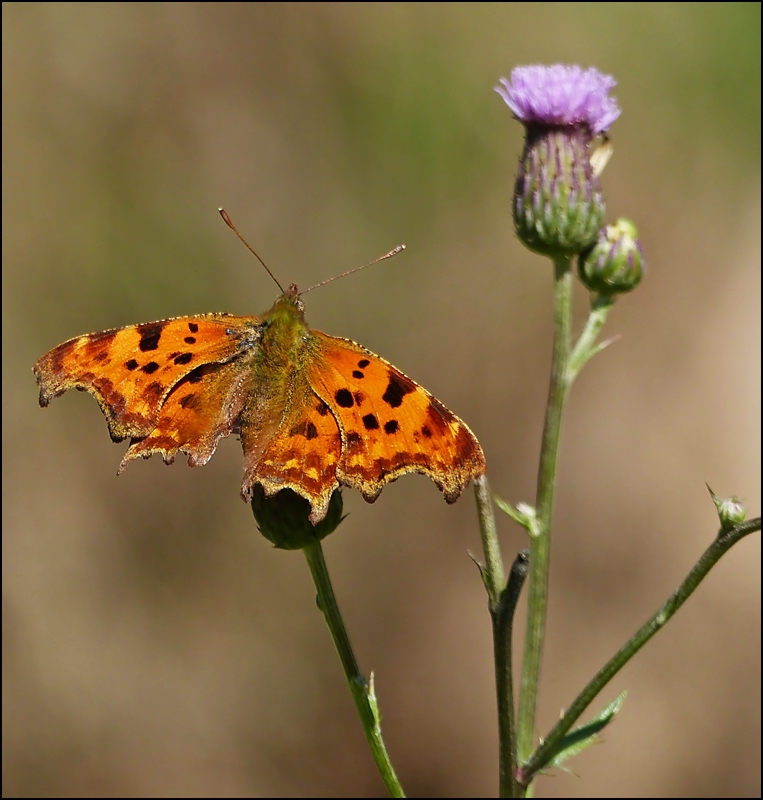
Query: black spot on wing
x=150, y=368
x=150, y=334
x=190, y=401
x=304, y=428
x=397, y=388
x=391, y=426
x=132, y=364
x=344, y=398
x=183, y=358
x=197, y=375
x=370, y=423
x=193, y=327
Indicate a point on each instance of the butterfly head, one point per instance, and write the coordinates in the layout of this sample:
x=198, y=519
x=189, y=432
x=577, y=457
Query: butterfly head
x=288, y=307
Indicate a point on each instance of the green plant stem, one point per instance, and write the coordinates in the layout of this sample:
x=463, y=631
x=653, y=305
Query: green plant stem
x=585, y=347
x=503, y=622
x=708, y=560
x=492, y=572
x=364, y=701
x=502, y=601
x=540, y=544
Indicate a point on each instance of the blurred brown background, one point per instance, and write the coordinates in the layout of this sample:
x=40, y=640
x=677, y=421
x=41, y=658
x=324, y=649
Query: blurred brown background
x=154, y=643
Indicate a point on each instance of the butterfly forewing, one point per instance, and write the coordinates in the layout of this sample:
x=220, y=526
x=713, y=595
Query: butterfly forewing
x=130, y=371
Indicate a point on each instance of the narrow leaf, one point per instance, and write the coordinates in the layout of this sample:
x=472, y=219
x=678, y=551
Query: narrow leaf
x=578, y=739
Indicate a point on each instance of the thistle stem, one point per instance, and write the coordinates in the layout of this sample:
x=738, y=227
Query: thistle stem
x=363, y=694
x=585, y=348
x=721, y=545
x=503, y=624
x=492, y=572
x=540, y=544
x=502, y=601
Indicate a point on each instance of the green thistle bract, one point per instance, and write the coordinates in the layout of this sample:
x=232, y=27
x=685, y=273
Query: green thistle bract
x=615, y=263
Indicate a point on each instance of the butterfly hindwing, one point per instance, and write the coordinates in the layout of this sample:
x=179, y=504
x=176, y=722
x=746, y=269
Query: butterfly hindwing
x=201, y=408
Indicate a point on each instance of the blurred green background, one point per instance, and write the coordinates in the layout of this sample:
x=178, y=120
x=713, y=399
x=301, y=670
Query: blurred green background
x=154, y=643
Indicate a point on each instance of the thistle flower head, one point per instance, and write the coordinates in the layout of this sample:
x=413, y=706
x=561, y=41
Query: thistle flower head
x=558, y=208
x=561, y=95
x=284, y=518
x=615, y=262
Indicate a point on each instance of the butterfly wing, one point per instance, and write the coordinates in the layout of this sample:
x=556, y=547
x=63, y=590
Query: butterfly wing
x=389, y=425
x=159, y=382
x=200, y=409
x=299, y=450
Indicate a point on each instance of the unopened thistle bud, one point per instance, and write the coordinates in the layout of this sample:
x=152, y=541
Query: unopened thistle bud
x=284, y=518
x=615, y=263
x=731, y=511
x=558, y=208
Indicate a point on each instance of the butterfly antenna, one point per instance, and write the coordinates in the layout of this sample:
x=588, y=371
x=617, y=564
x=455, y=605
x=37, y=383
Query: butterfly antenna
x=393, y=252
x=229, y=222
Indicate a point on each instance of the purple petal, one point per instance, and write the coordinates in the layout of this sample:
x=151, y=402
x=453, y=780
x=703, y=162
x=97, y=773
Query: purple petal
x=561, y=95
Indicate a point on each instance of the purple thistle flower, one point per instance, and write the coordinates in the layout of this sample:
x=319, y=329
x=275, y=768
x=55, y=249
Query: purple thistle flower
x=561, y=95
x=558, y=207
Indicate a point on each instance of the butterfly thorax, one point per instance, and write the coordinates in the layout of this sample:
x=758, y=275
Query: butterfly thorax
x=277, y=373
x=284, y=333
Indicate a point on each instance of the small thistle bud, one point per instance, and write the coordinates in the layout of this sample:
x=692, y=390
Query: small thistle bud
x=730, y=510
x=615, y=263
x=284, y=518
x=558, y=208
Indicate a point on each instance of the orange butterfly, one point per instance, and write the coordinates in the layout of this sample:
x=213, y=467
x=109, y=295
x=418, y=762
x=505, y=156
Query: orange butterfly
x=313, y=411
